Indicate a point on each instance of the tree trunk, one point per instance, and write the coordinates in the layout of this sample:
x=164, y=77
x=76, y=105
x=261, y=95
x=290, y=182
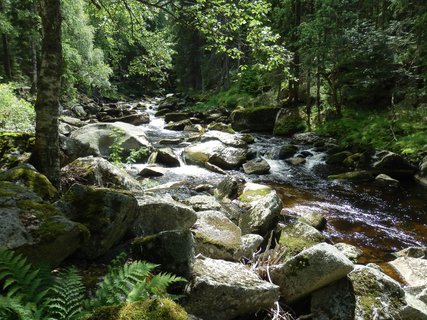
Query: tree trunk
x=308, y=102
x=318, y=102
x=46, y=150
x=6, y=57
x=35, y=67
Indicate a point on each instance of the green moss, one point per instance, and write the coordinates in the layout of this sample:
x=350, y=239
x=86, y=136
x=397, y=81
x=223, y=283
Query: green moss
x=33, y=180
x=42, y=208
x=105, y=313
x=50, y=230
x=153, y=309
x=251, y=195
x=354, y=176
x=288, y=122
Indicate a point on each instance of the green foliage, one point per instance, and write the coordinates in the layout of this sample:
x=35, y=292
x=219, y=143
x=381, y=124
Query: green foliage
x=84, y=63
x=139, y=155
x=15, y=114
x=404, y=132
x=116, y=149
x=32, y=294
x=67, y=296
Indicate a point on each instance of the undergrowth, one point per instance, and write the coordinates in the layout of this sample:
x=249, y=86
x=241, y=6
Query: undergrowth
x=31, y=293
x=401, y=130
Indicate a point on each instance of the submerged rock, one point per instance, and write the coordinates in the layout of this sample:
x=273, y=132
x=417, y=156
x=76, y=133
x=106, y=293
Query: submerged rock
x=221, y=290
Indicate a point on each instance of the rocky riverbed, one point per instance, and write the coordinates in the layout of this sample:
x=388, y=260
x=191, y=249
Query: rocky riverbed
x=261, y=226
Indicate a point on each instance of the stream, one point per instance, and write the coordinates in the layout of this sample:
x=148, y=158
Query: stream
x=377, y=220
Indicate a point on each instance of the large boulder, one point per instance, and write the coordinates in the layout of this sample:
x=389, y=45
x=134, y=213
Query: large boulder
x=28, y=177
x=98, y=172
x=254, y=119
x=15, y=148
x=165, y=157
x=101, y=136
x=310, y=270
x=229, y=139
x=135, y=119
x=262, y=215
x=422, y=172
x=107, y=213
x=393, y=165
x=173, y=250
x=176, y=116
x=227, y=189
x=161, y=213
x=221, y=290
x=288, y=122
x=253, y=192
x=216, y=153
x=216, y=236
x=203, y=203
x=35, y=227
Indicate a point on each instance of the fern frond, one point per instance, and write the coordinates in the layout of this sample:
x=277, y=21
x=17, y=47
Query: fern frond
x=20, y=279
x=160, y=282
x=120, y=281
x=67, y=296
x=12, y=308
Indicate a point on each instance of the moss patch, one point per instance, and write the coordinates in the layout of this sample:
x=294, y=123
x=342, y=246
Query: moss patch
x=251, y=195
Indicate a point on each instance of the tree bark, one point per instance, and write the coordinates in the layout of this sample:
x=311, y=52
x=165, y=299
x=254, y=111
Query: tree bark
x=6, y=57
x=308, y=102
x=35, y=67
x=46, y=155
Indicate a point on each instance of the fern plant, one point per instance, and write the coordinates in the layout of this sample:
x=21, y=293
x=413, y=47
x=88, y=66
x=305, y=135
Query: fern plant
x=34, y=294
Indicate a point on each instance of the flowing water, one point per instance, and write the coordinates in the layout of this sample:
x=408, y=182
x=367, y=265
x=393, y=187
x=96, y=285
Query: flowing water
x=377, y=220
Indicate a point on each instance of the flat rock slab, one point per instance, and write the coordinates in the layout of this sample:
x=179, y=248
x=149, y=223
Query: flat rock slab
x=222, y=290
x=412, y=270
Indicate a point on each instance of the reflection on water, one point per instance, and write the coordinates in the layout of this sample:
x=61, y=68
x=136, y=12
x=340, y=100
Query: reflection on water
x=377, y=220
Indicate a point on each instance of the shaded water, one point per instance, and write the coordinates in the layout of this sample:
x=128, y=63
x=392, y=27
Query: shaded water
x=377, y=220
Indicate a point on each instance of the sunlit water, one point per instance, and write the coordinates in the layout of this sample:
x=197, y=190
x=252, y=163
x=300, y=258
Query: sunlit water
x=375, y=219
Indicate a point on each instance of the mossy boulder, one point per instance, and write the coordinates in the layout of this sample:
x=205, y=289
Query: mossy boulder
x=15, y=148
x=107, y=214
x=27, y=176
x=260, y=119
x=253, y=191
x=393, y=165
x=216, y=236
x=219, y=126
x=288, y=122
x=337, y=159
x=148, y=309
x=287, y=151
x=258, y=166
x=354, y=176
x=35, y=227
x=298, y=236
x=314, y=219
x=98, y=172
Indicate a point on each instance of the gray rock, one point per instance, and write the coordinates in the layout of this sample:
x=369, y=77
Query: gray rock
x=414, y=308
x=254, y=120
x=179, y=125
x=161, y=213
x=412, y=252
x=222, y=290
x=75, y=122
x=386, y=181
x=296, y=161
x=412, y=270
x=287, y=151
x=216, y=236
x=176, y=116
x=135, y=119
x=166, y=157
x=149, y=172
x=229, y=139
x=422, y=172
x=314, y=219
x=250, y=245
x=203, y=202
x=35, y=227
x=262, y=216
x=335, y=301
x=393, y=165
x=259, y=166
x=377, y=295
x=100, y=136
x=227, y=188
x=214, y=168
x=310, y=270
x=98, y=172
x=173, y=250
x=253, y=192
x=350, y=251
x=107, y=213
